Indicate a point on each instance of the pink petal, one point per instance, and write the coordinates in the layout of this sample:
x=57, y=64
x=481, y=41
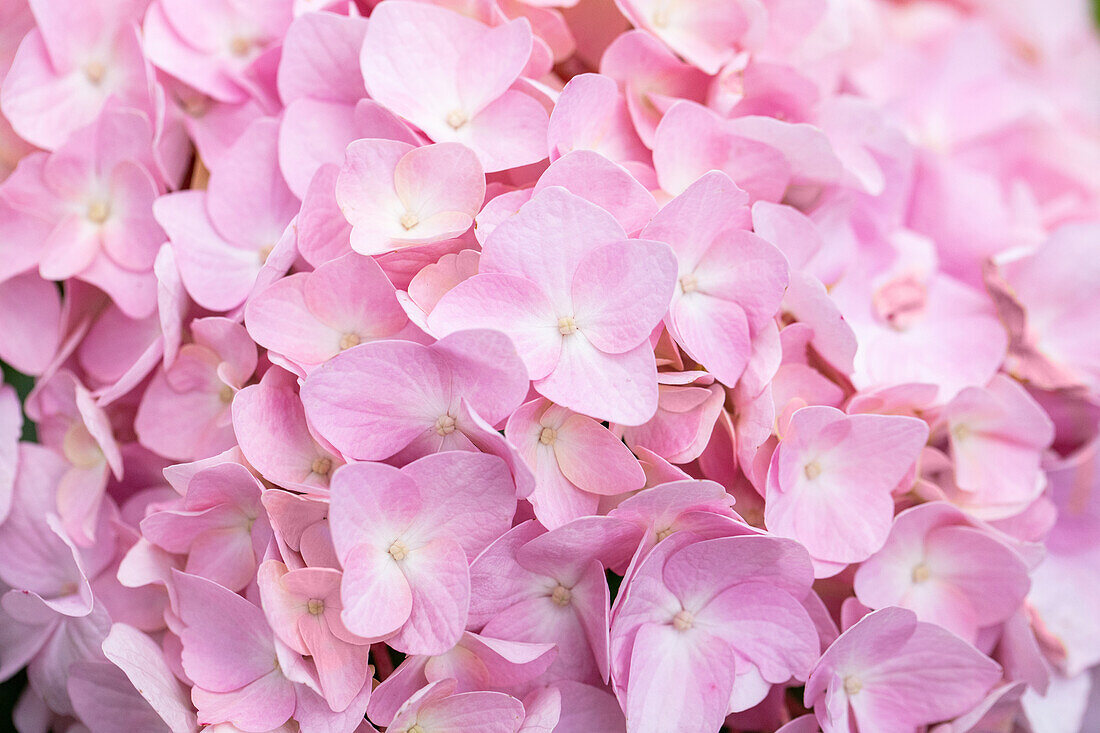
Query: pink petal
x=505, y=303
x=376, y=596
x=621, y=292
x=620, y=388
x=439, y=576
x=611, y=187
x=143, y=663
x=519, y=245
x=678, y=681
x=594, y=459
x=227, y=644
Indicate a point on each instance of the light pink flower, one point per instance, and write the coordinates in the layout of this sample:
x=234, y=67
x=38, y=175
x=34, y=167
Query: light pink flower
x=222, y=237
x=831, y=478
x=397, y=195
x=272, y=432
x=685, y=418
x=78, y=55
x=688, y=646
x=730, y=282
x=997, y=437
x=72, y=424
x=575, y=461
x=945, y=569
x=303, y=607
x=215, y=47
x=405, y=539
x=220, y=526
x=580, y=313
x=308, y=318
x=238, y=668
x=890, y=672
x=535, y=586
x=185, y=411
x=397, y=397
x=96, y=191
x=452, y=77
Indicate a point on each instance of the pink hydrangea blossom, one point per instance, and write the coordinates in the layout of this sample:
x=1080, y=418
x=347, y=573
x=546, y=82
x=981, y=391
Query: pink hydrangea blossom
x=549, y=366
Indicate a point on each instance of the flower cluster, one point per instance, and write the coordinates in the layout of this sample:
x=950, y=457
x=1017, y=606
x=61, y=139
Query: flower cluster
x=487, y=366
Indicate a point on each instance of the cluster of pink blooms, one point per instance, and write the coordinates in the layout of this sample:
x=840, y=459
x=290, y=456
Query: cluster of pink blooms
x=487, y=366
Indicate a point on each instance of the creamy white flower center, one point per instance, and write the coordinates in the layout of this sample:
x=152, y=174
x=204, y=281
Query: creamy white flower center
x=315, y=606
x=321, y=466
x=80, y=448
x=409, y=220
x=456, y=118
x=812, y=470
x=547, y=436
x=94, y=71
x=567, y=325
x=445, y=425
x=852, y=684
x=683, y=621
x=921, y=573
x=98, y=211
x=240, y=46
x=688, y=283
x=348, y=340
x=398, y=551
x=561, y=595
